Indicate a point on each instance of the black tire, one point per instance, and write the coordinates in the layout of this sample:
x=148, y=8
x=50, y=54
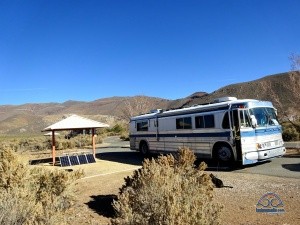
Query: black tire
x=224, y=154
x=144, y=149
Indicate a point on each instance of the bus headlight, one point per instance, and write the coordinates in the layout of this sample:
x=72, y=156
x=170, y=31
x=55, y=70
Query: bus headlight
x=261, y=145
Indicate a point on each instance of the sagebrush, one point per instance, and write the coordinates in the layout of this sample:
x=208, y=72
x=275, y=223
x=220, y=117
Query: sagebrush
x=168, y=190
x=35, y=144
x=33, y=196
x=291, y=131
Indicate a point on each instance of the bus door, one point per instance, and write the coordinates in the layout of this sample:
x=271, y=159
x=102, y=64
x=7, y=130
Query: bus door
x=242, y=131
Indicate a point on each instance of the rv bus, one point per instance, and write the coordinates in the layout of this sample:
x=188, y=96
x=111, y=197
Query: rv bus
x=228, y=130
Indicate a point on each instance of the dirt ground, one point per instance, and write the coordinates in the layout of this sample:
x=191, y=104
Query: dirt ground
x=100, y=185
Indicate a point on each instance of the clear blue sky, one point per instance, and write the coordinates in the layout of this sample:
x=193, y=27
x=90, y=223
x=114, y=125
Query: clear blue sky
x=59, y=50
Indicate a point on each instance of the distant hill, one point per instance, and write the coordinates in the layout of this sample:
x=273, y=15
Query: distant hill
x=282, y=89
x=32, y=118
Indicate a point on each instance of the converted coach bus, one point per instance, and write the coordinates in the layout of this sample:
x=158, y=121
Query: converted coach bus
x=228, y=130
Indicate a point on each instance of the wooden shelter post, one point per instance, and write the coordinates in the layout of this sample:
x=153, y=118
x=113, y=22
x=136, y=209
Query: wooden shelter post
x=93, y=142
x=53, y=147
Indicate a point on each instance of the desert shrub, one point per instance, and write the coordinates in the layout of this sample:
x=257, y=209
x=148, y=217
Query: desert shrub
x=125, y=137
x=55, y=190
x=12, y=172
x=168, y=190
x=39, y=146
x=44, y=143
x=118, y=129
x=33, y=196
x=26, y=144
x=60, y=146
x=15, y=208
x=81, y=141
x=71, y=144
x=99, y=139
x=290, y=132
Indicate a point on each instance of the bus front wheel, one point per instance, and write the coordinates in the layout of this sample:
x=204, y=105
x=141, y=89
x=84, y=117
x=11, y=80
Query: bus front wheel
x=224, y=154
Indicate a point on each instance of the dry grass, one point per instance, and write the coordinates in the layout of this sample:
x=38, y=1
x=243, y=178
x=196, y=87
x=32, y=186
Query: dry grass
x=38, y=144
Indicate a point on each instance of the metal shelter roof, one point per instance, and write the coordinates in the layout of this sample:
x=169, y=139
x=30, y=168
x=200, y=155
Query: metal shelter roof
x=75, y=122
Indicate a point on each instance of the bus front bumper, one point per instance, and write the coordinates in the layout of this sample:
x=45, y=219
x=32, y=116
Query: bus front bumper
x=258, y=156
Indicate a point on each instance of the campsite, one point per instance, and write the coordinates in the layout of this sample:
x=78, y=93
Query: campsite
x=114, y=161
x=149, y=112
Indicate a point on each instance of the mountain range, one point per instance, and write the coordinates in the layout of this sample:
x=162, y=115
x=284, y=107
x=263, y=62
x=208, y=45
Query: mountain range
x=282, y=89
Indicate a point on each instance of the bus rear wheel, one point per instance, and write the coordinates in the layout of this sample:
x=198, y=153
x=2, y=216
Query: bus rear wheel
x=144, y=149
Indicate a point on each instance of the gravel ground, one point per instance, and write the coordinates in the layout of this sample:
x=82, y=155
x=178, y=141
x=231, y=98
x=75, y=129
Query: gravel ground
x=240, y=201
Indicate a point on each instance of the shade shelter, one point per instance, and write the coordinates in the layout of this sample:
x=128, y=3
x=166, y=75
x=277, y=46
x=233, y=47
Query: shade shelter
x=74, y=122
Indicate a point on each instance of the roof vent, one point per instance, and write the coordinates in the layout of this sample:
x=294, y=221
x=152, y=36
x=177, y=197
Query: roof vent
x=156, y=111
x=225, y=99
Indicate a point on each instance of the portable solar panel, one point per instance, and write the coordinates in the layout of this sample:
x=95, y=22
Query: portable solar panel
x=64, y=161
x=74, y=160
x=90, y=158
x=82, y=159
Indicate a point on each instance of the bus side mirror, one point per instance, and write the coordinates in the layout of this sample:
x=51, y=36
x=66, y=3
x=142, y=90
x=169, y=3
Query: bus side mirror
x=253, y=121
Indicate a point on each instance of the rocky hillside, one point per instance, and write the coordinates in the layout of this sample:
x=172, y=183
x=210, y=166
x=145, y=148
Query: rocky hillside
x=282, y=89
x=32, y=118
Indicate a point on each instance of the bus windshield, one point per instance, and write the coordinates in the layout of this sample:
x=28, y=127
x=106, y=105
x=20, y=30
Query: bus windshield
x=264, y=116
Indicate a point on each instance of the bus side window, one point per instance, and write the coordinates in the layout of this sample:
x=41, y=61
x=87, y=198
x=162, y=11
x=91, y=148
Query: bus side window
x=209, y=121
x=206, y=121
x=184, y=123
x=199, y=121
x=142, y=126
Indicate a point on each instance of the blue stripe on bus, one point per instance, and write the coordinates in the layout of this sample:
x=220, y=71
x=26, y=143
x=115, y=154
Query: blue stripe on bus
x=257, y=132
x=248, y=133
x=268, y=131
x=261, y=132
x=219, y=134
